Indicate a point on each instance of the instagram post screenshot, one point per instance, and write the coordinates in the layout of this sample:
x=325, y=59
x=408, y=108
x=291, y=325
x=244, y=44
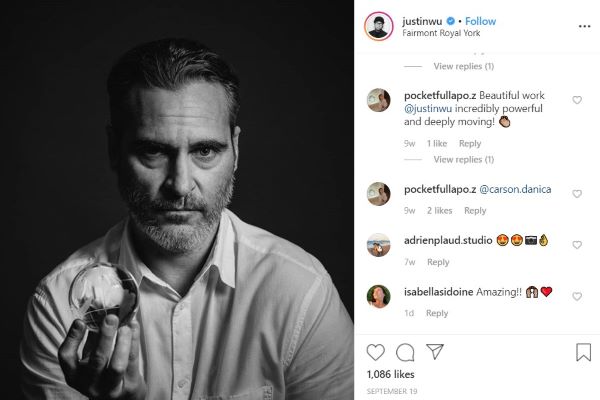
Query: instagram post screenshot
x=377, y=200
x=476, y=200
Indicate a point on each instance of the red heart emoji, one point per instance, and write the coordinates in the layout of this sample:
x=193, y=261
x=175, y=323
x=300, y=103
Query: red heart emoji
x=546, y=290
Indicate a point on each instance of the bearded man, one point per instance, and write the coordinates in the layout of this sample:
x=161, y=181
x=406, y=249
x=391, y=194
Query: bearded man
x=226, y=310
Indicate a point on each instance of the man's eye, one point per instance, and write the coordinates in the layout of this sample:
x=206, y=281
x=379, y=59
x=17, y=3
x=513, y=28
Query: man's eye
x=205, y=152
x=150, y=153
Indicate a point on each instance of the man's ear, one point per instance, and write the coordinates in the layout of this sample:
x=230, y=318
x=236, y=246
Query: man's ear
x=113, y=147
x=236, y=150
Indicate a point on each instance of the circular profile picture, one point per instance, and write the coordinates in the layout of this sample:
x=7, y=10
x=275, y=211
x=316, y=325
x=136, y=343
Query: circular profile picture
x=378, y=296
x=378, y=100
x=378, y=245
x=378, y=193
x=379, y=26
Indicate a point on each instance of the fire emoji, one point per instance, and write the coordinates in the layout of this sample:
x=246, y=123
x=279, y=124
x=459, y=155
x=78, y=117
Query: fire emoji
x=543, y=240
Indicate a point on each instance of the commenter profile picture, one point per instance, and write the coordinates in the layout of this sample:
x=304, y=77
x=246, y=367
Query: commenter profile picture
x=378, y=296
x=378, y=245
x=379, y=26
x=378, y=193
x=378, y=100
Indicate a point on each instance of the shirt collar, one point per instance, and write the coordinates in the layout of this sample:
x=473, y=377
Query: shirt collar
x=221, y=256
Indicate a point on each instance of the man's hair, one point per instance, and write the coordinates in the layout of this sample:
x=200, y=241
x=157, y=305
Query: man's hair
x=168, y=64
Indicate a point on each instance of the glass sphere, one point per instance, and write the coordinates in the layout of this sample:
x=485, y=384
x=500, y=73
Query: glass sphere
x=101, y=289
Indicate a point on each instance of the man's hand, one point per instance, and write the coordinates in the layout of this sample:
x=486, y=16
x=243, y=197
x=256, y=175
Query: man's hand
x=103, y=374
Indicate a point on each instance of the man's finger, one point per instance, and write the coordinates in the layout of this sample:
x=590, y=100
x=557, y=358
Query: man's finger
x=133, y=368
x=67, y=352
x=118, y=362
x=90, y=344
x=99, y=358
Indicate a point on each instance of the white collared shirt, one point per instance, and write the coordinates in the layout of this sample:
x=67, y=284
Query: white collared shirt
x=262, y=320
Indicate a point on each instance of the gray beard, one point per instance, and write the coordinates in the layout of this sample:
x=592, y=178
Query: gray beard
x=176, y=239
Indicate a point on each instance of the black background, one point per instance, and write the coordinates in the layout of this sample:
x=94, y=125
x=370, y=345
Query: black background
x=295, y=175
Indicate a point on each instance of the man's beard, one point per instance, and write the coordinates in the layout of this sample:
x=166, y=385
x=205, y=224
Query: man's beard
x=175, y=238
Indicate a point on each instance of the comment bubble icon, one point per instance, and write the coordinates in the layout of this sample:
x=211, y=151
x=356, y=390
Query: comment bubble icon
x=405, y=352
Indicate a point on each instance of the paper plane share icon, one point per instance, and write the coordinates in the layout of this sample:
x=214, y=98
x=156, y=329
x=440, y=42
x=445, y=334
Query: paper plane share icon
x=435, y=349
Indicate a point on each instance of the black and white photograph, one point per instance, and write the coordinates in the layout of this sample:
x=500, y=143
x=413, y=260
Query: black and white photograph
x=182, y=181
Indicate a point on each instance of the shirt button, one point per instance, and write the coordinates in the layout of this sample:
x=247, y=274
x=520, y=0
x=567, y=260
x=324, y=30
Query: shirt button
x=181, y=383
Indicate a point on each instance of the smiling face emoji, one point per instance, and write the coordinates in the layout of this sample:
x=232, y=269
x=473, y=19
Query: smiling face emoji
x=516, y=240
x=502, y=239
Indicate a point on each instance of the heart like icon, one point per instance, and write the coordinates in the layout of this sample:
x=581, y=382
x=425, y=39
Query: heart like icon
x=577, y=193
x=577, y=244
x=577, y=99
x=546, y=290
x=375, y=351
x=577, y=296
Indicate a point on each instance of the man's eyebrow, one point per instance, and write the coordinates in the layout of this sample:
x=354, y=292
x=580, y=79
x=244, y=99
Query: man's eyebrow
x=147, y=143
x=214, y=144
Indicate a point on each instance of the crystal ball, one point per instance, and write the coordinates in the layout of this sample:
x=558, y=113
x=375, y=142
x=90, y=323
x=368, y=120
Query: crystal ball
x=100, y=289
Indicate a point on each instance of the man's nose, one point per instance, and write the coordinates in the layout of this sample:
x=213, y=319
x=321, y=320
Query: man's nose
x=180, y=180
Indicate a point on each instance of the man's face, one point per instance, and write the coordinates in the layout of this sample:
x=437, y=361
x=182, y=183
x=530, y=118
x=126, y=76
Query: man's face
x=378, y=25
x=176, y=163
x=378, y=293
